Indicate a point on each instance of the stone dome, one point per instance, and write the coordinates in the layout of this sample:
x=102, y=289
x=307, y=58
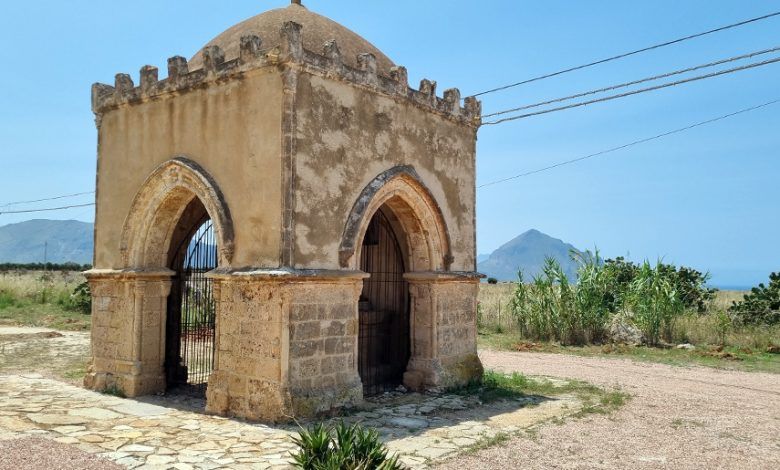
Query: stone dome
x=317, y=30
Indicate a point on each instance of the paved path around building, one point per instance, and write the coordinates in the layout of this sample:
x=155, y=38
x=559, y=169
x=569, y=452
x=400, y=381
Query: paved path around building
x=170, y=432
x=678, y=418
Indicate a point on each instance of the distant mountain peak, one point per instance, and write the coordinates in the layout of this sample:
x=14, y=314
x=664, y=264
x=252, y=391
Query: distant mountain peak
x=527, y=252
x=61, y=240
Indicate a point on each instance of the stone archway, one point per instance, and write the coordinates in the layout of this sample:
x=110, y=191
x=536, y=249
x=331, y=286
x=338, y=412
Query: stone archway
x=130, y=321
x=383, y=308
x=415, y=218
x=159, y=205
x=402, y=191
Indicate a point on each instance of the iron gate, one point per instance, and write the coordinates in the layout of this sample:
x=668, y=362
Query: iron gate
x=383, y=340
x=192, y=310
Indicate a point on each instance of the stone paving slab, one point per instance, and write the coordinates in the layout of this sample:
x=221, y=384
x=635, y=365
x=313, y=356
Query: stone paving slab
x=132, y=433
x=147, y=434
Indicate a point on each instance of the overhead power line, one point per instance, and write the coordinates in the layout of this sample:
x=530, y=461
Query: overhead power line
x=48, y=209
x=16, y=203
x=630, y=144
x=635, y=92
x=635, y=82
x=628, y=54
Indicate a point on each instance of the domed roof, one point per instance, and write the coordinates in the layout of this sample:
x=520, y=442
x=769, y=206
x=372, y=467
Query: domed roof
x=317, y=30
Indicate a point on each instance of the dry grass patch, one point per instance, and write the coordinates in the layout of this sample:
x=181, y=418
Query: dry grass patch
x=41, y=299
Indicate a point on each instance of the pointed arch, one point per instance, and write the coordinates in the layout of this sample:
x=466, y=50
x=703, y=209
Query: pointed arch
x=158, y=206
x=413, y=206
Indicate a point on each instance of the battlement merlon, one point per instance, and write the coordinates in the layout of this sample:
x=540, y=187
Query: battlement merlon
x=327, y=62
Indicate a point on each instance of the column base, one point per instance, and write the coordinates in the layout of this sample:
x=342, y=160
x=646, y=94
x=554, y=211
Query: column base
x=129, y=385
x=325, y=400
x=425, y=375
x=253, y=399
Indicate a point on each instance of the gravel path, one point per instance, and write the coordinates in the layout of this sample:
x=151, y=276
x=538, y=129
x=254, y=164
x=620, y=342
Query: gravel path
x=678, y=418
x=34, y=453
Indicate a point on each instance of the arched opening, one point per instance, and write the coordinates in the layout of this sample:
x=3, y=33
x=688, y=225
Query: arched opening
x=384, y=326
x=191, y=313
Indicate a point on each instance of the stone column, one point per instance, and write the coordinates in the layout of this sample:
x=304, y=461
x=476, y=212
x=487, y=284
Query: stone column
x=286, y=343
x=128, y=330
x=247, y=379
x=323, y=342
x=443, y=330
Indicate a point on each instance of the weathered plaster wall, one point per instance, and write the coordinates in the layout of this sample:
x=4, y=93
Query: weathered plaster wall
x=346, y=136
x=232, y=129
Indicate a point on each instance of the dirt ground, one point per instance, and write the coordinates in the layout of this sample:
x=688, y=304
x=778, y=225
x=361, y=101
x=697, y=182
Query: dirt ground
x=678, y=418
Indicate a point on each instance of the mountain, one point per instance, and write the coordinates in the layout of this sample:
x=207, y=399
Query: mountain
x=64, y=240
x=527, y=252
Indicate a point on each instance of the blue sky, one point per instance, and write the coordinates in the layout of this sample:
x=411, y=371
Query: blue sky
x=705, y=198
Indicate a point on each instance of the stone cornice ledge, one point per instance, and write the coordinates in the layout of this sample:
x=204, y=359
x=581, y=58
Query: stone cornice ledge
x=286, y=274
x=441, y=276
x=130, y=273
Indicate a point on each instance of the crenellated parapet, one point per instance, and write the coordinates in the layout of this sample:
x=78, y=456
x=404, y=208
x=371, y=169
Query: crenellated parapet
x=326, y=62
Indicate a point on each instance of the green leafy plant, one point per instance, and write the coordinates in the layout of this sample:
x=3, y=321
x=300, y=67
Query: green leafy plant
x=690, y=284
x=492, y=280
x=342, y=447
x=81, y=298
x=114, y=390
x=762, y=305
x=723, y=324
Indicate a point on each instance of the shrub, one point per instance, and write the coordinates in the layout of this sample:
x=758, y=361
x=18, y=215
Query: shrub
x=762, y=305
x=81, y=299
x=342, y=447
x=689, y=283
x=7, y=299
x=492, y=280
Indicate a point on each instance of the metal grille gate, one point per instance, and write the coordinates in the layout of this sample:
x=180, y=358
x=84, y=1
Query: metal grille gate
x=192, y=311
x=383, y=310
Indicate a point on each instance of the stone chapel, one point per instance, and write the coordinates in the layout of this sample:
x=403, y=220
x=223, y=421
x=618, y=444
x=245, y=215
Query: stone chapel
x=283, y=224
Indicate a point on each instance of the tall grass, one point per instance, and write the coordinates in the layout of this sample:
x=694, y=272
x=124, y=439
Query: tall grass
x=24, y=288
x=654, y=303
x=44, y=299
x=665, y=303
x=551, y=307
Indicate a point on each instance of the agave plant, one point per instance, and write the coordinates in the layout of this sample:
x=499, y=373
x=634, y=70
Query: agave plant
x=342, y=447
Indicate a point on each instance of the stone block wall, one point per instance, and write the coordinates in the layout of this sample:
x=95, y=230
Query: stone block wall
x=286, y=346
x=247, y=380
x=456, y=335
x=323, y=346
x=444, y=325
x=128, y=331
